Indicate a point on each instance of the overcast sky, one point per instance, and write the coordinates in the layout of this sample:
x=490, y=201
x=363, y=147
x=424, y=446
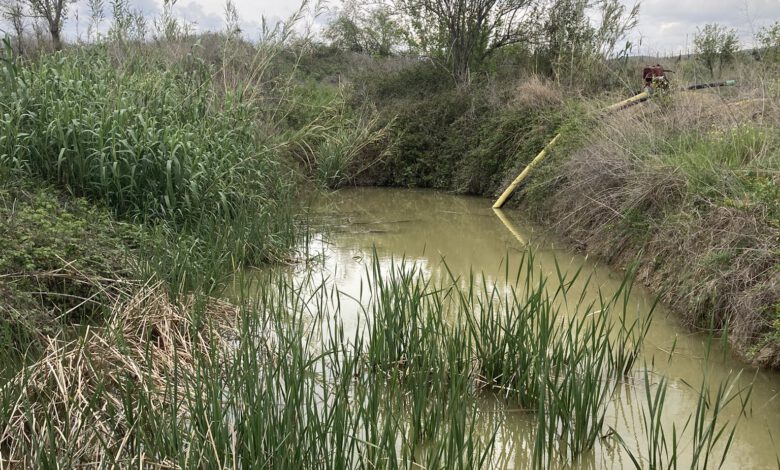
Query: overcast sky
x=665, y=26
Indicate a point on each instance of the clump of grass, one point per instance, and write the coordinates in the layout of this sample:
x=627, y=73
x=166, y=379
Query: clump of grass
x=518, y=343
x=84, y=399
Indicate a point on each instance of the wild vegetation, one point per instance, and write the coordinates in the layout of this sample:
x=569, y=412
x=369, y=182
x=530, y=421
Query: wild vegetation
x=653, y=183
x=145, y=169
x=201, y=382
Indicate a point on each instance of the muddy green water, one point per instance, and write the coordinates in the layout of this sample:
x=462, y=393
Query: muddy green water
x=428, y=227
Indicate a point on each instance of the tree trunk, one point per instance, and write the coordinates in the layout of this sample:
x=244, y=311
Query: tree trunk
x=19, y=28
x=55, y=39
x=460, y=65
x=462, y=73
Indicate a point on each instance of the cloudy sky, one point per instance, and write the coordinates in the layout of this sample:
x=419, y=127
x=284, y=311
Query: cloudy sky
x=665, y=27
x=668, y=26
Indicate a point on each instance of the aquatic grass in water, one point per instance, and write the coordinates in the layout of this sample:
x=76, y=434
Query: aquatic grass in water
x=704, y=439
x=285, y=386
x=520, y=342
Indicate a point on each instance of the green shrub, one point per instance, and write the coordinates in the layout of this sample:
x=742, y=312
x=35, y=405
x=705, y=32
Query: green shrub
x=58, y=260
x=418, y=81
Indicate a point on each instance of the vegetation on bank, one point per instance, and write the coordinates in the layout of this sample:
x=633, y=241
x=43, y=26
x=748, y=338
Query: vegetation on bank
x=60, y=258
x=152, y=144
x=691, y=192
x=139, y=176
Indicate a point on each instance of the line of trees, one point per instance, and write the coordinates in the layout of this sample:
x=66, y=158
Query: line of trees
x=46, y=18
x=460, y=34
x=570, y=35
x=463, y=34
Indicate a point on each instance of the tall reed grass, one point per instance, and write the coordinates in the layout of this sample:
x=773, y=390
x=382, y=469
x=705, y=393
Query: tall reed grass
x=284, y=386
x=208, y=158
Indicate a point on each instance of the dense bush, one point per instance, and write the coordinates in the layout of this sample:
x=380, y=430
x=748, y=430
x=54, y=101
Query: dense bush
x=58, y=260
x=467, y=141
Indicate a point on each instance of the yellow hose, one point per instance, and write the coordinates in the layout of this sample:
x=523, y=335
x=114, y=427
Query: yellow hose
x=626, y=103
x=511, y=188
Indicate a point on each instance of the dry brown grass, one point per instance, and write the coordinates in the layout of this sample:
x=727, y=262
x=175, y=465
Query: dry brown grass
x=73, y=395
x=537, y=92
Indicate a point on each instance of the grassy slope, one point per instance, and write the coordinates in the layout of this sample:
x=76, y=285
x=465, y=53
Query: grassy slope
x=687, y=185
x=124, y=163
x=198, y=147
x=689, y=189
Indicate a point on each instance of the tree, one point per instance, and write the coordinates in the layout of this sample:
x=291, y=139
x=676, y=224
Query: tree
x=576, y=34
x=344, y=31
x=465, y=32
x=384, y=32
x=127, y=24
x=715, y=45
x=769, y=41
x=566, y=35
x=14, y=12
x=53, y=12
x=370, y=30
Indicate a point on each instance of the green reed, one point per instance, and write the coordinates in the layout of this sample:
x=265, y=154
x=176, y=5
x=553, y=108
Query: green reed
x=290, y=388
x=705, y=438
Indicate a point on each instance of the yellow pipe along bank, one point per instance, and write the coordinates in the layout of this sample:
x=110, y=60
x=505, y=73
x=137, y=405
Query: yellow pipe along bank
x=640, y=98
x=511, y=188
x=644, y=96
